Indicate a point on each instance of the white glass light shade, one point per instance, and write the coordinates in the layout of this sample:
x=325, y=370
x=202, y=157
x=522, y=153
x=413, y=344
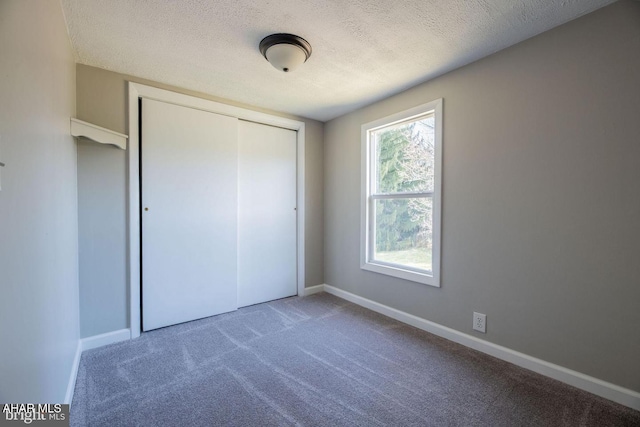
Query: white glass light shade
x=285, y=57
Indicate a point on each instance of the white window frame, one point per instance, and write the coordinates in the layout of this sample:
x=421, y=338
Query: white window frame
x=368, y=177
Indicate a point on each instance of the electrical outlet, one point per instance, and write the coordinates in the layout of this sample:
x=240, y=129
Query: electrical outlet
x=480, y=322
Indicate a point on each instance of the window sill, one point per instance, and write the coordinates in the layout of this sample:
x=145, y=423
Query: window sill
x=414, y=276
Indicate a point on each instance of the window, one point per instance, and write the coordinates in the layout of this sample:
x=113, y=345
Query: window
x=401, y=168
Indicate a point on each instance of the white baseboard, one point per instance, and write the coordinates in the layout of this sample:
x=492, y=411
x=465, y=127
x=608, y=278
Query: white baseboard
x=313, y=290
x=71, y=386
x=105, y=339
x=88, y=344
x=576, y=379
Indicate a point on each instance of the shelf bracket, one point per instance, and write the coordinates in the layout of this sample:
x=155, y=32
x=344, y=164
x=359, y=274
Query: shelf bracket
x=98, y=134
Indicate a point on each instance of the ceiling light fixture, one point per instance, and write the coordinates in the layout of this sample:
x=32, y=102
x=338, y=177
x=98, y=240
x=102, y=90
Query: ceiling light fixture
x=285, y=51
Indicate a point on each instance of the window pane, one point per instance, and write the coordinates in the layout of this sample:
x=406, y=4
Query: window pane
x=405, y=156
x=403, y=231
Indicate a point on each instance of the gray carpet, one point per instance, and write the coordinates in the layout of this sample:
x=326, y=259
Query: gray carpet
x=318, y=361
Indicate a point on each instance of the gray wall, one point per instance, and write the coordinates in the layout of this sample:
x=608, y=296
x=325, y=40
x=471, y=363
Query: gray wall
x=39, y=327
x=541, y=198
x=101, y=99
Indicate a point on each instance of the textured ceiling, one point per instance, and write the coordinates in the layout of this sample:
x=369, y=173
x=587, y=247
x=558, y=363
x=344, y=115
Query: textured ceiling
x=363, y=50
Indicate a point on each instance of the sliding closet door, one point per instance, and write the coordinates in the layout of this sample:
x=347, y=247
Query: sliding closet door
x=189, y=214
x=266, y=213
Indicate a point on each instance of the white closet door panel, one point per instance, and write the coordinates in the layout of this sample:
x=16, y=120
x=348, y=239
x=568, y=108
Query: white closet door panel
x=266, y=213
x=189, y=232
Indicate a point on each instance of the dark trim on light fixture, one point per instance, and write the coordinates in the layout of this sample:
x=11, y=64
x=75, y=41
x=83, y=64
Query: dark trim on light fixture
x=285, y=38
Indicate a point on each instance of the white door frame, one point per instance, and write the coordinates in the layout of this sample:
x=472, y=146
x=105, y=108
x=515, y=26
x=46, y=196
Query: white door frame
x=137, y=91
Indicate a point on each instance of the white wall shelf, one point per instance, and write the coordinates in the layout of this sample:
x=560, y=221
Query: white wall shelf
x=98, y=134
